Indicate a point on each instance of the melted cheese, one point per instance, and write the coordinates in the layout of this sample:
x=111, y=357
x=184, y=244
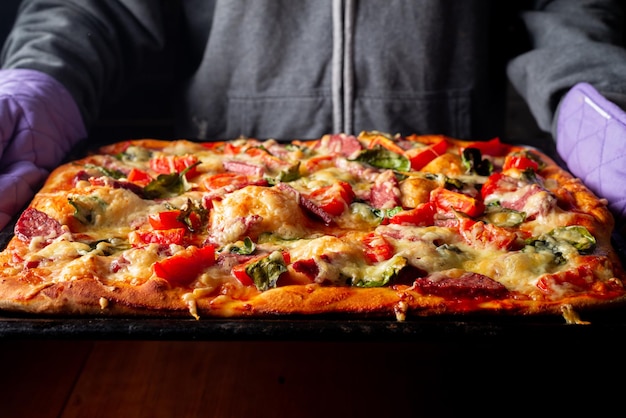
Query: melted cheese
x=430, y=249
x=112, y=207
x=59, y=251
x=337, y=260
x=359, y=216
x=253, y=210
x=548, y=222
x=136, y=264
x=517, y=271
x=324, y=177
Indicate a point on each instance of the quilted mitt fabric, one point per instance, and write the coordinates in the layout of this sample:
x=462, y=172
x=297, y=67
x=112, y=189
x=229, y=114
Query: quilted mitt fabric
x=39, y=124
x=591, y=139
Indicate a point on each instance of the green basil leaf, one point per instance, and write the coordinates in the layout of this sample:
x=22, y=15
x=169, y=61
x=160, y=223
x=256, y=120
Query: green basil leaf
x=168, y=185
x=247, y=247
x=266, y=271
x=577, y=236
x=87, y=209
x=474, y=162
x=285, y=176
x=382, y=273
x=380, y=157
x=116, y=174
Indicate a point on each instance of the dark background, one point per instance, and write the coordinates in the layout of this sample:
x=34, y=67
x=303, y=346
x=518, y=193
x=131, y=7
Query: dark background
x=8, y=8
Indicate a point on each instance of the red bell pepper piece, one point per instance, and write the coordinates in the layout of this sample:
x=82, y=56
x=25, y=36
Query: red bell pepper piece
x=166, y=220
x=227, y=179
x=377, y=248
x=334, y=198
x=239, y=271
x=421, y=156
x=184, y=267
x=139, y=177
x=498, y=183
x=389, y=144
x=493, y=147
x=520, y=162
x=482, y=234
x=163, y=236
x=167, y=164
x=422, y=215
x=449, y=200
x=170, y=219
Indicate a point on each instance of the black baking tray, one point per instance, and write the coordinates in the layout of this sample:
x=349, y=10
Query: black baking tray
x=602, y=326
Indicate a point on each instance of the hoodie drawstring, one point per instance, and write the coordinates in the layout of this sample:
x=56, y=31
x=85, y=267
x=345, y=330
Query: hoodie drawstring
x=343, y=65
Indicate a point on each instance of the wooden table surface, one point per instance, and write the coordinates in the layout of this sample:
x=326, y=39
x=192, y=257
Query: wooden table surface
x=94, y=379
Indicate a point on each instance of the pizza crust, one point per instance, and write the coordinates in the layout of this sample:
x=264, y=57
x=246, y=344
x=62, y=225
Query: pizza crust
x=88, y=297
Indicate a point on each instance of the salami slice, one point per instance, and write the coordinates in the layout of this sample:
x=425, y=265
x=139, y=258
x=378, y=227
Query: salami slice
x=35, y=223
x=467, y=285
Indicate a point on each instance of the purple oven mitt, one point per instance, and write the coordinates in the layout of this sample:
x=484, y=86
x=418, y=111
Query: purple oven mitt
x=591, y=139
x=39, y=124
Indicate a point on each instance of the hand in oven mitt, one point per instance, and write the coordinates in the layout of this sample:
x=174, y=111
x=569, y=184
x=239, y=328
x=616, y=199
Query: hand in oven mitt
x=39, y=124
x=591, y=139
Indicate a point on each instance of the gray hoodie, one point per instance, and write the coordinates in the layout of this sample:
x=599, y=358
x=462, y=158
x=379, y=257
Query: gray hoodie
x=290, y=69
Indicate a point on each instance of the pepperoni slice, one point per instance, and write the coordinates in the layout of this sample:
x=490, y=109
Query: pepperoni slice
x=385, y=191
x=346, y=145
x=467, y=285
x=35, y=223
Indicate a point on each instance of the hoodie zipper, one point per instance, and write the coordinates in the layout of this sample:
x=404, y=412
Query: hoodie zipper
x=343, y=65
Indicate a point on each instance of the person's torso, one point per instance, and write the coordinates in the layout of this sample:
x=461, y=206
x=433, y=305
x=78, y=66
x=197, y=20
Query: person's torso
x=285, y=69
